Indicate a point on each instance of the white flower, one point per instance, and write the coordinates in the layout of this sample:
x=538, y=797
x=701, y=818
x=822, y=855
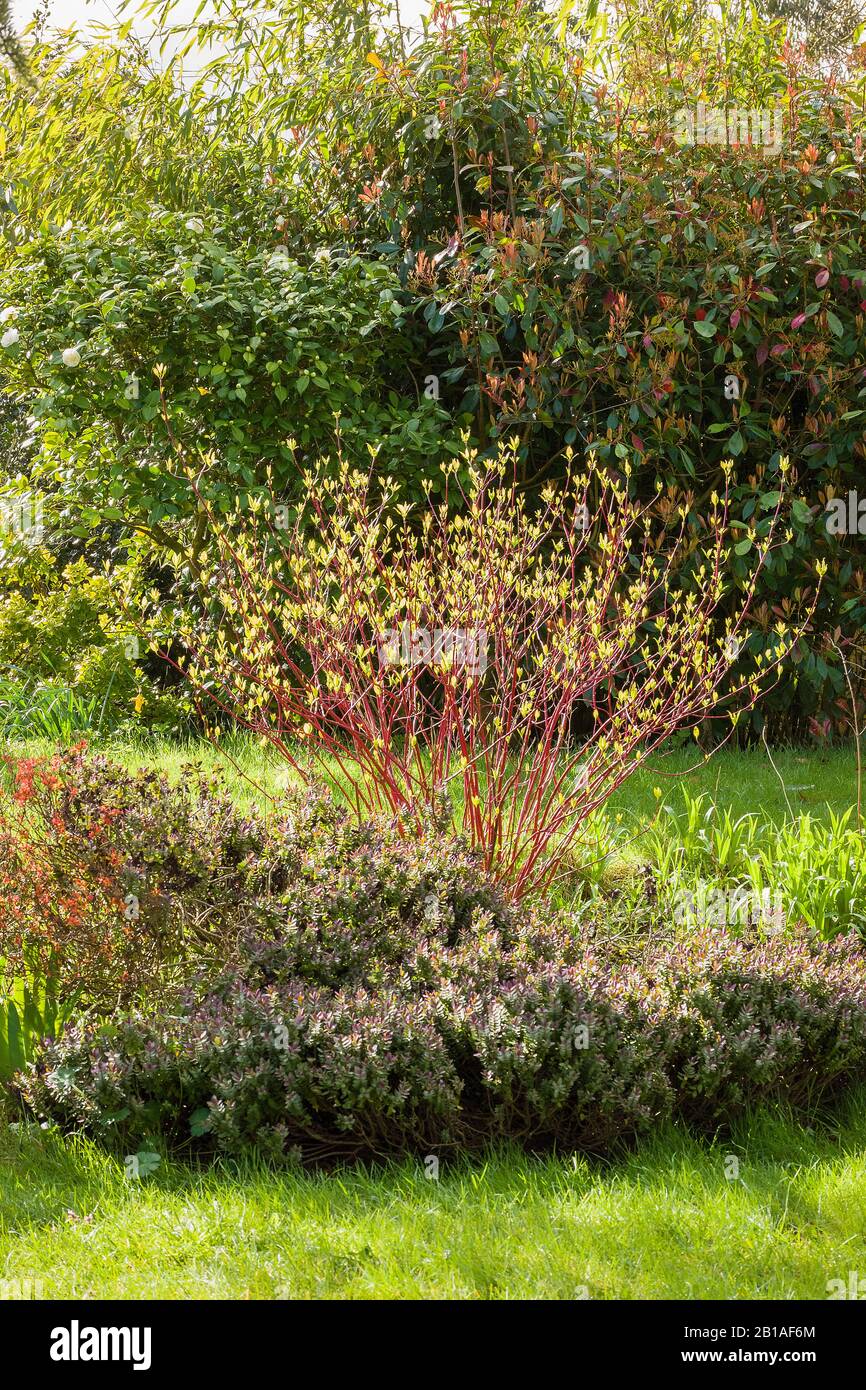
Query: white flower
x=10, y=337
x=194, y=224
x=71, y=357
x=323, y=255
x=9, y=313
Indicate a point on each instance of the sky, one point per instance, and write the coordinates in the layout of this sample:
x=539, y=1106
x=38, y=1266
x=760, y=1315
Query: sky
x=65, y=12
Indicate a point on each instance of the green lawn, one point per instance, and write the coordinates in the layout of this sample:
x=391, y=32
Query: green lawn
x=662, y=1222
x=796, y=780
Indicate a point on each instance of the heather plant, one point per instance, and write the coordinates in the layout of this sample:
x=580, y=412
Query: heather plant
x=362, y=898
x=752, y=1020
x=541, y=1040
x=116, y=882
x=479, y=649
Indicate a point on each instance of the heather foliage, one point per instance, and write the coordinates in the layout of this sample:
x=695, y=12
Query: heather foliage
x=117, y=884
x=756, y=1020
x=543, y=1041
x=305, y=984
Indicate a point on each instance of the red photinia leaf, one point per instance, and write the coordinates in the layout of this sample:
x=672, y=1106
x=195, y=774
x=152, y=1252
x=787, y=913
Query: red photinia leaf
x=700, y=315
x=638, y=443
x=844, y=282
x=798, y=320
x=778, y=349
x=762, y=354
x=735, y=318
x=821, y=278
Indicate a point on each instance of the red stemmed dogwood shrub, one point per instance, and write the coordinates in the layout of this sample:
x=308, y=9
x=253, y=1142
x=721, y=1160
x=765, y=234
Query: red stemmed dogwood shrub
x=519, y=659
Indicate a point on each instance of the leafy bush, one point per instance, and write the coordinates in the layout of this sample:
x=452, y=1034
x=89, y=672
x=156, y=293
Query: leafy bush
x=258, y=354
x=588, y=277
x=108, y=878
x=71, y=659
x=540, y=1041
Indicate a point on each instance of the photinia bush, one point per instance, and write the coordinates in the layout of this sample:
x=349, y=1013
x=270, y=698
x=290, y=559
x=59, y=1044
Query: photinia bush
x=109, y=879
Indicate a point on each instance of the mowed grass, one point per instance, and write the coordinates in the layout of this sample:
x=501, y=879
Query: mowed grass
x=791, y=783
x=661, y=1222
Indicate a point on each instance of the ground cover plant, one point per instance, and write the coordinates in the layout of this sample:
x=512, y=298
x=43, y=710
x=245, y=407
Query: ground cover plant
x=552, y=1045
x=370, y=993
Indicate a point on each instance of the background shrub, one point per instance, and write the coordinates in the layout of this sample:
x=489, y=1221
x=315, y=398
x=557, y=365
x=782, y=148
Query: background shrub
x=71, y=658
x=450, y=183
x=262, y=359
